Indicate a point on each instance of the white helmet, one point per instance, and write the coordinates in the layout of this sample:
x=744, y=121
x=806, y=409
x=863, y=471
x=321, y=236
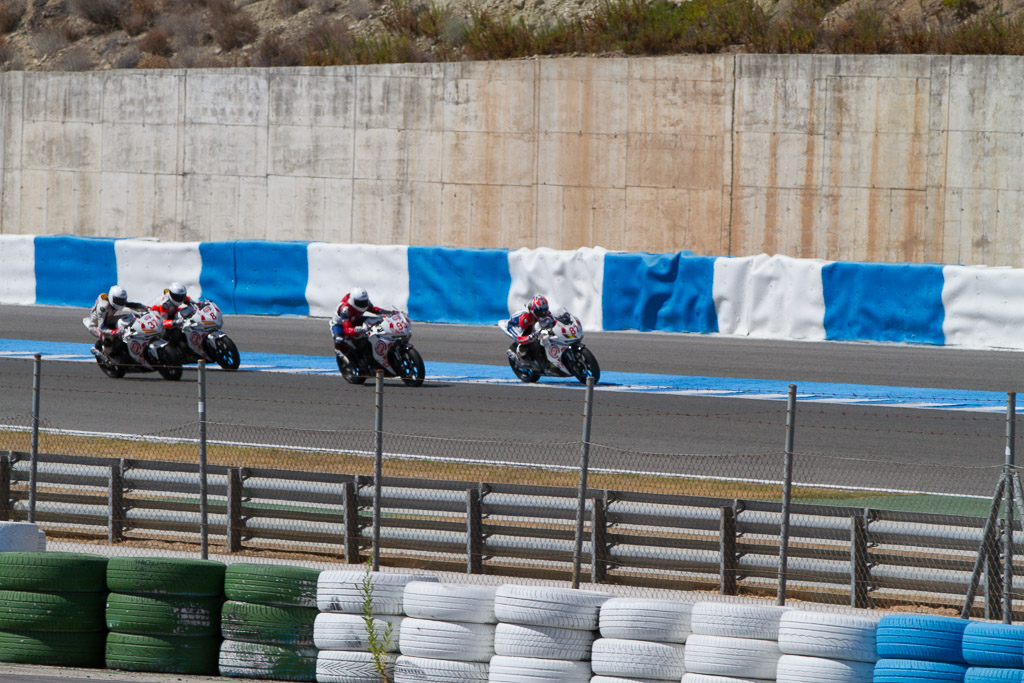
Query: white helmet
x=177, y=292
x=359, y=299
x=117, y=297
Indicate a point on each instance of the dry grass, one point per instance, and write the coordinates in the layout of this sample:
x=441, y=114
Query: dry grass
x=11, y=12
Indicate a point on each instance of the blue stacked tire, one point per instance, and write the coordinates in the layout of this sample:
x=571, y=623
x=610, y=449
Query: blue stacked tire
x=914, y=670
x=267, y=622
x=52, y=608
x=164, y=614
x=979, y=674
x=921, y=637
x=994, y=645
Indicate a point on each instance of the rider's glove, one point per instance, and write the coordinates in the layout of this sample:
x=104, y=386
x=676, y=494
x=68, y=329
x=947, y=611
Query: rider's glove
x=523, y=339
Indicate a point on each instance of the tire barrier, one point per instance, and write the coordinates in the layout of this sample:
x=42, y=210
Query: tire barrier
x=342, y=633
x=448, y=634
x=544, y=633
x=267, y=622
x=168, y=616
x=164, y=614
x=41, y=625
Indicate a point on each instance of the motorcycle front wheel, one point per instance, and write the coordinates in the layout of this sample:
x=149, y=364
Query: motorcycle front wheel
x=525, y=374
x=170, y=363
x=585, y=365
x=350, y=374
x=225, y=353
x=111, y=370
x=409, y=365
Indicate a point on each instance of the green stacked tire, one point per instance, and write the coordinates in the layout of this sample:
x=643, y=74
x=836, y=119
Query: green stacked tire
x=267, y=622
x=52, y=608
x=164, y=614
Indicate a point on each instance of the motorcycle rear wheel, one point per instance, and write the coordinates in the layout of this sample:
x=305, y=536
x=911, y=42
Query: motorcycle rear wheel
x=585, y=365
x=111, y=370
x=525, y=374
x=409, y=365
x=225, y=353
x=350, y=374
x=170, y=364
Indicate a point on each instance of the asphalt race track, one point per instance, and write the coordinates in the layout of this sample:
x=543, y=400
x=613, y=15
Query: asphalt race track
x=77, y=396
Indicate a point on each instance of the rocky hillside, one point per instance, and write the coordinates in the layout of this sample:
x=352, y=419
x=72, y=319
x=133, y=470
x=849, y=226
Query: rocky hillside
x=81, y=35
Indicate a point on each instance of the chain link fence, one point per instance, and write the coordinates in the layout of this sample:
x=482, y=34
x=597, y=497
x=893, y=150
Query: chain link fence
x=865, y=531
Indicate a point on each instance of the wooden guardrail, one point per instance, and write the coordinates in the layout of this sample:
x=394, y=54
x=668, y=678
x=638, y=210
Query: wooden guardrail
x=861, y=557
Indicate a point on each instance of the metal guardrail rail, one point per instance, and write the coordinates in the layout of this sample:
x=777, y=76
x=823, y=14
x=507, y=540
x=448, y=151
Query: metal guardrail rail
x=857, y=556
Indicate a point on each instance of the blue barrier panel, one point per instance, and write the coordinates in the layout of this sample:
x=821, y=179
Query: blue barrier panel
x=458, y=285
x=669, y=292
x=883, y=302
x=271, y=277
x=217, y=278
x=71, y=271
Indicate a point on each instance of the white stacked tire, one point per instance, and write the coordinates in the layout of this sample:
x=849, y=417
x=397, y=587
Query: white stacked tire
x=733, y=641
x=343, y=635
x=447, y=635
x=826, y=647
x=267, y=622
x=641, y=640
x=544, y=634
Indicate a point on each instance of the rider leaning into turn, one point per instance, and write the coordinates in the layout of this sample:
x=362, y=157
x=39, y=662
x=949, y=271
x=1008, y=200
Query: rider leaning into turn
x=346, y=323
x=109, y=308
x=526, y=325
x=174, y=299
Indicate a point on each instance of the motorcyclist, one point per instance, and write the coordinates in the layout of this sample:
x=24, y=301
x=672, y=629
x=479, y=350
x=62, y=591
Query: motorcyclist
x=527, y=324
x=346, y=325
x=175, y=299
x=110, y=307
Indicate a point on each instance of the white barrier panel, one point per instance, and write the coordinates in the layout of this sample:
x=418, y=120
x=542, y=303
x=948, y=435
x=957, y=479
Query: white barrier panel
x=17, y=269
x=771, y=297
x=19, y=537
x=571, y=281
x=334, y=269
x=983, y=307
x=145, y=268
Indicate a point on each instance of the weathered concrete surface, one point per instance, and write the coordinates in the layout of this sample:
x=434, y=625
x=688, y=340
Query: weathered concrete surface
x=876, y=158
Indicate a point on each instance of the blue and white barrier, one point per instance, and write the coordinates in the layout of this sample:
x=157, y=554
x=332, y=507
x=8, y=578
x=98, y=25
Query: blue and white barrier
x=774, y=297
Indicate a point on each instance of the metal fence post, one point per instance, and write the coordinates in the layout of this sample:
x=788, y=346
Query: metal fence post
x=378, y=465
x=599, y=539
x=474, y=532
x=859, y=572
x=34, y=448
x=787, y=495
x=204, y=529
x=234, y=512
x=350, y=509
x=581, y=496
x=115, y=504
x=1011, y=413
x=728, y=565
x=993, y=574
x=5, y=487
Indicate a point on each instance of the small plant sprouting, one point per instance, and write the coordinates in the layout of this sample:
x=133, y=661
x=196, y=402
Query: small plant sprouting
x=378, y=643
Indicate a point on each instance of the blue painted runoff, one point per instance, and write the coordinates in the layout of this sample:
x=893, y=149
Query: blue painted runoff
x=686, y=385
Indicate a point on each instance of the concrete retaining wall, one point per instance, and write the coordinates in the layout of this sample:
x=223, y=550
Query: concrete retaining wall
x=852, y=158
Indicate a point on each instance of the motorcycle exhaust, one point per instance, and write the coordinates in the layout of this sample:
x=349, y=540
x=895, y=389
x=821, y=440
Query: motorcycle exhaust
x=100, y=356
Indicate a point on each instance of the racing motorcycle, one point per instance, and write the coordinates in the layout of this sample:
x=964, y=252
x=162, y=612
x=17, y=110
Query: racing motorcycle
x=390, y=351
x=143, y=333
x=196, y=334
x=564, y=354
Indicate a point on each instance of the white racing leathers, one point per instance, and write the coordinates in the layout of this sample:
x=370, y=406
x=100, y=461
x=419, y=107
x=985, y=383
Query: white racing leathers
x=104, y=317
